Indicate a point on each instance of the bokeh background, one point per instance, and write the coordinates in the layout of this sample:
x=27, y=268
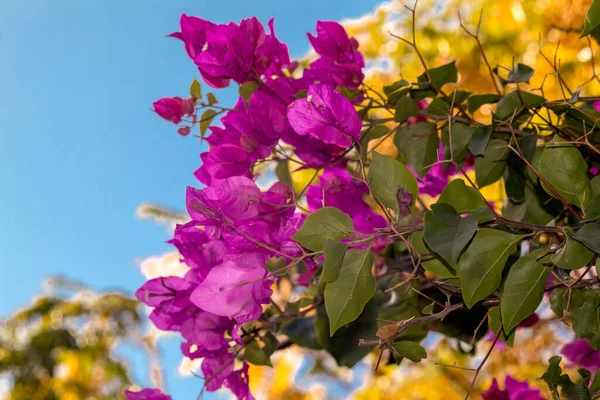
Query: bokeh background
x=82, y=154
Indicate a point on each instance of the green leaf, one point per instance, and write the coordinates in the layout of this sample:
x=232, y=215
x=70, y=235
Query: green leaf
x=247, y=89
x=572, y=391
x=419, y=144
x=300, y=94
x=595, y=387
x=195, y=90
x=573, y=255
x=373, y=133
x=428, y=309
x=536, y=208
x=523, y=289
x=592, y=19
x=552, y=376
x=403, y=305
x=441, y=75
x=463, y=198
x=438, y=106
x=589, y=236
x=302, y=332
x=388, y=90
x=411, y=350
x=405, y=108
x=255, y=355
x=387, y=176
x=520, y=73
x=432, y=265
x=515, y=173
x=270, y=341
x=495, y=324
x=346, y=297
x=512, y=101
x=593, y=211
x=563, y=168
x=205, y=121
x=481, y=265
x=460, y=96
x=394, y=97
x=596, y=185
x=343, y=345
x=477, y=100
x=334, y=257
x=212, y=100
x=282, y=172
x=461, y=137
x=447, y=233
x=490, y=167
x=326, y=223
x=584, y=309
x=480, y=138
x=417, y=94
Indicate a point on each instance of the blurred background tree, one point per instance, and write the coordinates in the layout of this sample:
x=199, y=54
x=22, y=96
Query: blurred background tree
x=63, y=345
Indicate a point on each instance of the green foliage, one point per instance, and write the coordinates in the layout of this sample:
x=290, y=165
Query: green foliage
x=569, y=390
x=334, y=253
x=589, y=236
x=564, y=169
x=195, y=90
x=446, y=233
x=328, y=223
x=481, y=265
x=523, y=289
x=490, y=167
x=584, y=308
x=419, y=144
x=573, y=255
x=407, y=349
x=441, y=75
x=387, y=176
x=247, y=88
x=592, y=20
x=346, y=296
x=205, y=120
x=475, y=101
x=431, y=263
x=462, y=198
x=405, y=108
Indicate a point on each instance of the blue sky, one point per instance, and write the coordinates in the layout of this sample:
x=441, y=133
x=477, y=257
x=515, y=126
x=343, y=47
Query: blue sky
x=80, y=147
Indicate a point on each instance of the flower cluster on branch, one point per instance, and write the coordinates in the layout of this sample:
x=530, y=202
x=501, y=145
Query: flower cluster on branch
x=376, y=265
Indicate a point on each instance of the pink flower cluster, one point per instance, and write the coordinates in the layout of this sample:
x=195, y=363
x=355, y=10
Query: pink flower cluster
x=236, y=227
x=514, y=390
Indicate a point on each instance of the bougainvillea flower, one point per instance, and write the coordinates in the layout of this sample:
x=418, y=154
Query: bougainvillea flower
x=234, y=288
x=193, y=34
x=170, y=108
x=198, y=251
x=205, y=330
x=329, y=71
x=164, y=290
x=514, y=390
x=326, y=115
x=225, y=161
x=581, y=353
x=236, y=198
x=229, y=54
